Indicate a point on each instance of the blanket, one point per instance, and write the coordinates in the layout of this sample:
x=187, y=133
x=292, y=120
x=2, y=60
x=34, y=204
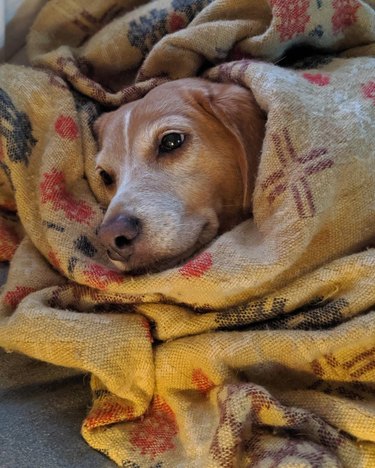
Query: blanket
x=260, y=350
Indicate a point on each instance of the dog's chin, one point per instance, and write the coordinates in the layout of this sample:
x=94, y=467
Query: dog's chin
x=140, y=266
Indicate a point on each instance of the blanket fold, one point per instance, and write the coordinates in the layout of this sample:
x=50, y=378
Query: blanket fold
x=259, y=351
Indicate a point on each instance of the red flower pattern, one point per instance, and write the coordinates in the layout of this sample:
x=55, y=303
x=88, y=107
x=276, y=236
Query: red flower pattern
x=14, y=297
x=108, y=413
x=292, y=17
x=155, y=433
x=66, y=127
x=177, y=21
x=198, y=266
x=317, y=78
x=100, y=277
x=345, y=14
x=146, y=325
x=9, y=241
x=203, y=383
x=368, y=91
x=54, y=260
x=52, y=189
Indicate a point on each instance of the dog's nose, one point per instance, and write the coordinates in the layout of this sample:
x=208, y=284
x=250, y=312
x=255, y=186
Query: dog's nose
x=119, y=233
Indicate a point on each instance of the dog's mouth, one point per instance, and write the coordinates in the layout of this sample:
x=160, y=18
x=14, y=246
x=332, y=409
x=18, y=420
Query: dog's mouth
x=155, y=266
x=116, y=257
x=136, y=265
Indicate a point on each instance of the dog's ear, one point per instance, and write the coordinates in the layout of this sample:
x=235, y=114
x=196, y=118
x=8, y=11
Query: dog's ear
x=235, y=107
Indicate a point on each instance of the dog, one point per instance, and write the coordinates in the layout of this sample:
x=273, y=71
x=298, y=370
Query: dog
x=179, y=168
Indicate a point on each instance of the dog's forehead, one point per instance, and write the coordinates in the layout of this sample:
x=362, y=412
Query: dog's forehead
x=173, y=95
x=171, y=103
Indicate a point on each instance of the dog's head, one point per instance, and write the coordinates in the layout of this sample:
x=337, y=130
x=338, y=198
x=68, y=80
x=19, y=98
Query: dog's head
x=179, y=167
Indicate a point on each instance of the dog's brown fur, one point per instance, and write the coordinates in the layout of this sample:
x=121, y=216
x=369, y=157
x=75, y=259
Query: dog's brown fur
x=181, y=199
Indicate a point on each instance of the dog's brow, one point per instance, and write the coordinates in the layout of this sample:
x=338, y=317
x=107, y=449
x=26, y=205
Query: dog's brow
x=171, y=122
x=126, y=130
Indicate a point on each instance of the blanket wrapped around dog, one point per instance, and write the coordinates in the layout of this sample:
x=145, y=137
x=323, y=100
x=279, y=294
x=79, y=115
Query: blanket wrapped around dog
x=260, y=351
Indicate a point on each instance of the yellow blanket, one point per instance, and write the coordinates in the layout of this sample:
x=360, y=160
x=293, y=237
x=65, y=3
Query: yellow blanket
x=261, y=350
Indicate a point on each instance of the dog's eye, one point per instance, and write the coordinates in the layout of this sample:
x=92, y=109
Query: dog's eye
x=106, y=178
x=171, y=141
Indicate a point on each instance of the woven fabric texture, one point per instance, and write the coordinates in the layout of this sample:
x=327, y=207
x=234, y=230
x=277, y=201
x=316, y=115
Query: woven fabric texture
x=260, y=350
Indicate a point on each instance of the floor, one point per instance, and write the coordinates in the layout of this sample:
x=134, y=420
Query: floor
x=41, y=411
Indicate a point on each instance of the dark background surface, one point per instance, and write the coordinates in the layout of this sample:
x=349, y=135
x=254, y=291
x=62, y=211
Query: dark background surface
x=41, y=411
